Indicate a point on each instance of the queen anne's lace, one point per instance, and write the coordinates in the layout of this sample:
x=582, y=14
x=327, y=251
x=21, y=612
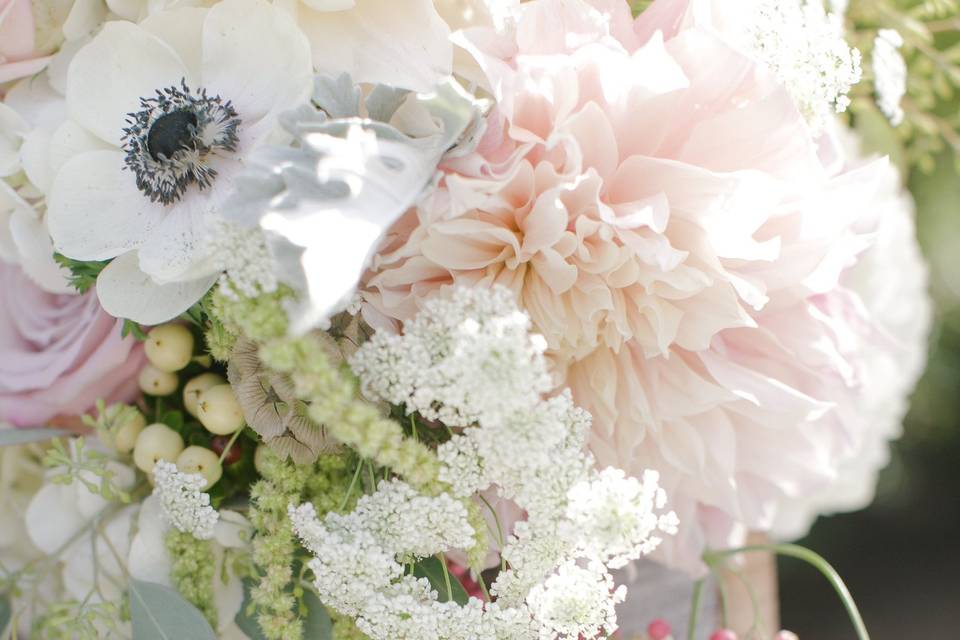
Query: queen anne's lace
x=805, y=47
x=890, y=74
x=185, y=506
x=469, y=361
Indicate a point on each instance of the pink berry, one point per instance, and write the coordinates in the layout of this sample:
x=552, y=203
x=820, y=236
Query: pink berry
x=786, y=635
x=659, y=629
x=724, y=634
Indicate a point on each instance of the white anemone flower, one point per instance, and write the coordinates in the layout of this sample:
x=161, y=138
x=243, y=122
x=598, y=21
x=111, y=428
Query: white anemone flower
x=403, y=44
x=174, y=104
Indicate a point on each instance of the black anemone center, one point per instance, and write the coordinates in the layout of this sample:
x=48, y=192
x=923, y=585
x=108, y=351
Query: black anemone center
x=171, y=133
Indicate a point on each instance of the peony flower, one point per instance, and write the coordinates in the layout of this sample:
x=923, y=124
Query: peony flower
x=170, y=108
x=59, y=353
x=654, y=196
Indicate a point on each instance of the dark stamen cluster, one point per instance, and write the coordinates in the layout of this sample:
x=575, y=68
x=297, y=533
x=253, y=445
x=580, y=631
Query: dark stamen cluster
x=170, y=141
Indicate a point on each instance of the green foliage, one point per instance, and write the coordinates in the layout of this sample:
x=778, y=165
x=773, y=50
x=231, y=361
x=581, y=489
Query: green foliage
x=132, y=328
x=931, y=34
x=80, y=465
x=447, y=586
x=193, y=571
x=159, y=613
x=83, y=274
x=6, y=613
x=72, y=620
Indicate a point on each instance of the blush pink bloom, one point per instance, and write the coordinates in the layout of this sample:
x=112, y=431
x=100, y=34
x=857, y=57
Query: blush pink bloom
x=654, y=198
x=59, y=354
x=19, y=56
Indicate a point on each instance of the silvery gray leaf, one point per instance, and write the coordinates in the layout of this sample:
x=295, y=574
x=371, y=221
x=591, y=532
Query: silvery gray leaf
x=339, y=96
x=325, y=202
x=384, y=101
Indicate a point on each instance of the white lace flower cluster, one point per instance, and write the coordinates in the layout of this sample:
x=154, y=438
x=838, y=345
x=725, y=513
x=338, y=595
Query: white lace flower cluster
x=185, y=506
x=890, y=74
x=804, y=46
x=242, y=254
x=580, y=523
x=461, y=356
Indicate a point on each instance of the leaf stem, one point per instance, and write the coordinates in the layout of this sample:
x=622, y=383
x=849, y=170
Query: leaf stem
x=811, y=558
x=446, y=576
x=694, y=609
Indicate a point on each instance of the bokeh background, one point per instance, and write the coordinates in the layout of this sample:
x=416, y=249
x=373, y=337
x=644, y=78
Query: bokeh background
x=901, y=556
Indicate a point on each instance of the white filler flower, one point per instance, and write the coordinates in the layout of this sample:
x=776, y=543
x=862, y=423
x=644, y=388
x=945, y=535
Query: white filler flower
x=169, y=109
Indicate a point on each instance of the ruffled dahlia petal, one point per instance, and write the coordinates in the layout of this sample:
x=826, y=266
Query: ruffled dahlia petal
x=245, y=42
x=127, y=292
x=109, y=75
x=95, y=211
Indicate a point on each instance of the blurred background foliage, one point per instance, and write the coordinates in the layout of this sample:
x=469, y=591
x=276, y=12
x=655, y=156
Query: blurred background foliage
x=901, y=556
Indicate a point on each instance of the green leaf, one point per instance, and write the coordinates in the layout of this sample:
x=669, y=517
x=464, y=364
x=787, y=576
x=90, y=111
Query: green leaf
x=132, y=328
x=432, y=570
x=246, y=621
x=6, y=611
x=317, y=625
x=83, y=275
x=160, y=613
x=10, y=437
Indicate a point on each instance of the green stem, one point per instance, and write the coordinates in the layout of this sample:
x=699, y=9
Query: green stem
x=226, y=449
x=446, y=577
x=811, y=558
x=353, y=483
x=694, y=609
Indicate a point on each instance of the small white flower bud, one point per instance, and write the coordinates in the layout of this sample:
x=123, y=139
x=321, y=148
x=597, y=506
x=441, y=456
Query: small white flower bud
x=155, y=382
x=169, y=347
x=156, y=442
x=196, y=386
x=219, y=411
x=202, y=461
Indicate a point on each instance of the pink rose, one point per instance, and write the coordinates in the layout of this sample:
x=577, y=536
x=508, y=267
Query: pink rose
x=19, y=56
x=59, y=353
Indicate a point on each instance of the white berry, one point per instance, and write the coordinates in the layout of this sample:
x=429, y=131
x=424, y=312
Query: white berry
x=169, y=347
x=202, y=461
x=196, y=386
x=219, y=411
x=156, y=442
x=155, y=382
x=125, y=436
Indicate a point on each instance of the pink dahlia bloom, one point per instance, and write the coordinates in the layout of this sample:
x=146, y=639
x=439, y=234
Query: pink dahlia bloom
x=655, y=199
x=59, y=354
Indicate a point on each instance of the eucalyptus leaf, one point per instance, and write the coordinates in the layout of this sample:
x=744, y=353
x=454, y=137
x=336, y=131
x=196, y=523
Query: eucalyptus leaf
x=160, y=613
x=248, y=623
x=6, y=612
x=13, y=437
x=317, y=625
x=432, y=570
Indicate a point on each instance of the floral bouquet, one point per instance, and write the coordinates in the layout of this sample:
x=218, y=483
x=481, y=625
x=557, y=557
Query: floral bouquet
x=428, y=319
